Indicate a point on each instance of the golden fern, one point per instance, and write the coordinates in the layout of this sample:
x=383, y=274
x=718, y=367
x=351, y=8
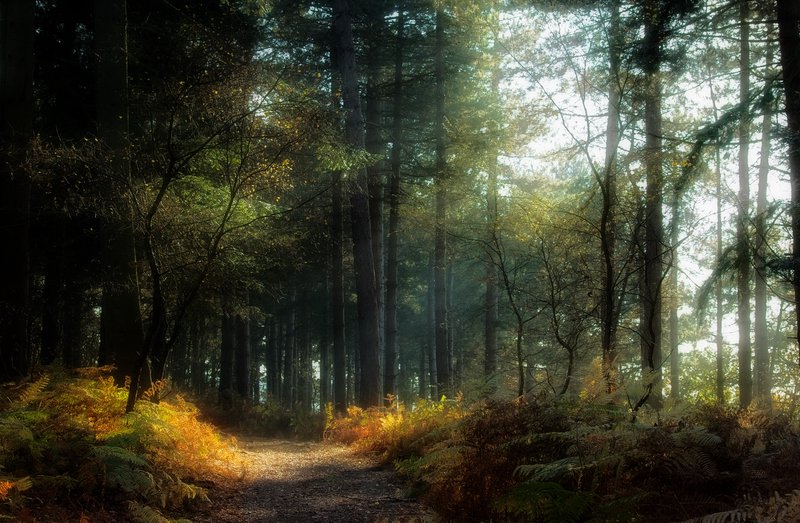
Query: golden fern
x=9, y=487
x=172, y=491
x=31, y=392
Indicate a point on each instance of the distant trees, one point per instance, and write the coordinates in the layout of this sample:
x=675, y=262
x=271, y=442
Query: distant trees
x=346, y=201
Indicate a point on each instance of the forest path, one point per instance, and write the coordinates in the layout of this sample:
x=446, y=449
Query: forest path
x=302, y=481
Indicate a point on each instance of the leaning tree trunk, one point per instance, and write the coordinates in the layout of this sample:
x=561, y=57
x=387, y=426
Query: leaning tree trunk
x=16, y=128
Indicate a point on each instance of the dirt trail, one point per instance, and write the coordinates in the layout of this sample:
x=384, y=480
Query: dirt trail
x=297, y=481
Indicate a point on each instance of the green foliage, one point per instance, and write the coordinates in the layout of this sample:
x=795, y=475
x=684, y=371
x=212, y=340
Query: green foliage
x=546, y=502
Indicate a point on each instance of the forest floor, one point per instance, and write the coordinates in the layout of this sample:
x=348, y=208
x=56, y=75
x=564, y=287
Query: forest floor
x=306, y=481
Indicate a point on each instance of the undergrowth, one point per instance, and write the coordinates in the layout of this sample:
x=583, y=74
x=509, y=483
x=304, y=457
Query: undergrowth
x=544, y=460
x=64, y=443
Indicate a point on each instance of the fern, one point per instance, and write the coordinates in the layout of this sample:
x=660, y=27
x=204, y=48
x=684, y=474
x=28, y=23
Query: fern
x=143, y=514
x=546, y=502
x=173, y=492
x=31, y=392
x=549, y=471
x=123, y=469
x=737, y=515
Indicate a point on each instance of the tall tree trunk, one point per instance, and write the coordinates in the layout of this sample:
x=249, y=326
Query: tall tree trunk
x=337, y=299
x=719, y=380
x=651, y=299
x=491, y=317
x=789, y=39
x=742, y=233
x=609, y=309
x=337, y=267
x=763, y=386
x=120, y=321
x=16, y=129
x=366, y=291
x=374, y=143
x=443, y=362
x=674, y=338
x=392, y=352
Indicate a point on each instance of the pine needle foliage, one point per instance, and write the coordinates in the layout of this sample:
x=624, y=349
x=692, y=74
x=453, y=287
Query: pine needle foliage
x=65, y=441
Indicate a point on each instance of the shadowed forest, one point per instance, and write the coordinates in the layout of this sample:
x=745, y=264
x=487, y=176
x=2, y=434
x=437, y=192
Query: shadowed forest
x=540, y=258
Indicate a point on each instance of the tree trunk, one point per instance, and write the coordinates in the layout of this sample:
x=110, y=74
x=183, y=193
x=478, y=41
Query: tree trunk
x=443, y=362
x=16, y=129
x=337, y=299
x=719, y=380
x=226, y=359
x=789, y=38
x=651, y=299
x=366, y=291
x=242, y=357
x=609, y=309
x=742, y=233
x=288, y=392
x=433, y=373
x=374, y=144
x=273, y=360
x=391, y=355
x=120, y=321
x=763, y=386
x=674, y=338
x=491, y=318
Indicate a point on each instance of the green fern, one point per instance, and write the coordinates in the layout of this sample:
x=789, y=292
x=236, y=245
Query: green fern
x=549, y=471
x=547, y=502
x=123, y=469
